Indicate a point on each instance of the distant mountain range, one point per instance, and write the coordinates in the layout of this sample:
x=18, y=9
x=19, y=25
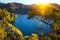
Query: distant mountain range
x=19, y=8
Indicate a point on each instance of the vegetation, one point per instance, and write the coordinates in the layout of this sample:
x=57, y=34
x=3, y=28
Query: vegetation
x=7, y=30
x=46, y=12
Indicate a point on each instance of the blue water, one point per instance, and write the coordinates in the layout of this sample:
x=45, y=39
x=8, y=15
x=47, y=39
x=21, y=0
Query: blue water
x=28, y=26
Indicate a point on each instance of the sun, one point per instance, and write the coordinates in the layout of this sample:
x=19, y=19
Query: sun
x=42, y=5
x=43, y=1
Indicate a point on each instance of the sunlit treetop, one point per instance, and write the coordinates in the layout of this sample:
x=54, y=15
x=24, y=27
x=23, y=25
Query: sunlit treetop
x=43, y=6
x=48, y=11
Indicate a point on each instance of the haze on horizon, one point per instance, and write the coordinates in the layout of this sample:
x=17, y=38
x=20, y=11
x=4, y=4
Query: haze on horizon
x=28, y=2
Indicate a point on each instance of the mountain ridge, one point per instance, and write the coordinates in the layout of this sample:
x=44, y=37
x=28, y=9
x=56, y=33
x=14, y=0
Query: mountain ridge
x=19, y=8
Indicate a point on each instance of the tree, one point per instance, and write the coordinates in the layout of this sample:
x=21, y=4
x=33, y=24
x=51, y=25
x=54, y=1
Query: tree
x=7, y=30
x=50, y=12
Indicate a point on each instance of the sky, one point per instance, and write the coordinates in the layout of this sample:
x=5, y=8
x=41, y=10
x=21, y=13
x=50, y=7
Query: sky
x=29, y=1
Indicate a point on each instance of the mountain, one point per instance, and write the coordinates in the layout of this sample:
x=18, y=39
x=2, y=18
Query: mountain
x=16, y=8
x=19, y=8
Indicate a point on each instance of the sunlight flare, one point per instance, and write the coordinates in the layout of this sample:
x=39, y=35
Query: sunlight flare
x=43, y=1
x=43, y=4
